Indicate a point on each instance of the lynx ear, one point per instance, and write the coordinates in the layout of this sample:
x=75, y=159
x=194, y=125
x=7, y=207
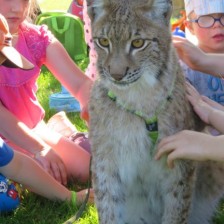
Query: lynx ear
x=157, y=10
x=95, y=9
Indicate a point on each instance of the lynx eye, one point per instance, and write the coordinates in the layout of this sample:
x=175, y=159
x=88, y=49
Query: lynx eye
x=138, y=43
x=104, y=42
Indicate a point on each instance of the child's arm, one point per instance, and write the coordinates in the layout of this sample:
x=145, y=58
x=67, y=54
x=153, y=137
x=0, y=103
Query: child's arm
x=68, y=73
x=17, y=132
x=26, y=171
x=196, y=59
x=12, y=128
x=191, y=145
x=195, y=145
x=209, y=111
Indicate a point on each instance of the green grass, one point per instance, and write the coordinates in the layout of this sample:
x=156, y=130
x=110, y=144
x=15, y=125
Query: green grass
x=37, y=210
x=48, y=85
x=48, y=5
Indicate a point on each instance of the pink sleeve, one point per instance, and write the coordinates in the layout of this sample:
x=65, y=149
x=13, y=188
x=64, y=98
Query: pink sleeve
x=37, y=40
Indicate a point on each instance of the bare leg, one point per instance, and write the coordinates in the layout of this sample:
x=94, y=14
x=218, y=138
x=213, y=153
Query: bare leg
x=75, y=158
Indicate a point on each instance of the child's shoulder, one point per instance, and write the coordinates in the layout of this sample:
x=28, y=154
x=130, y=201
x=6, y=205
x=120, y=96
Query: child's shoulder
x=35, y=31
x=36, y=38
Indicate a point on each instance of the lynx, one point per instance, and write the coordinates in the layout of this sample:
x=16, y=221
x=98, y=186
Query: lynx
x=139, y=98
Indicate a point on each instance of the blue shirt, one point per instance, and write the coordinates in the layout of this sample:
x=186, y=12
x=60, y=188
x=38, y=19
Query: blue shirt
x=6, y=153
x=207, y=85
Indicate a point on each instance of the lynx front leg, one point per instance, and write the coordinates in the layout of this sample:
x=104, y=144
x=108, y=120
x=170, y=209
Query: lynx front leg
x=109, y=197
x=176, y=209
x=178, y=200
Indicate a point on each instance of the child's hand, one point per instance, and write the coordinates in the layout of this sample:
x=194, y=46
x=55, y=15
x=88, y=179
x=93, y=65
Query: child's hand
x=188, y=52
x=199, y=103
x=213, y=103
x=185, y=145
x=53, y=164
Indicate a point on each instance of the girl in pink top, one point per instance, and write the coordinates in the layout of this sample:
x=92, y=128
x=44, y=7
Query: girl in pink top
x=21, y=115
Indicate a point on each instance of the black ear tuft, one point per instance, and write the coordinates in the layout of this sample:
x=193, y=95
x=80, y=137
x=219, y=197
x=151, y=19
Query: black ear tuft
x=158, y=10
x=95, y=9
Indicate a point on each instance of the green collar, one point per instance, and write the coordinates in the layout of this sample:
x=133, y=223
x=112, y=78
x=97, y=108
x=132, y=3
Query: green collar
x=152, y=122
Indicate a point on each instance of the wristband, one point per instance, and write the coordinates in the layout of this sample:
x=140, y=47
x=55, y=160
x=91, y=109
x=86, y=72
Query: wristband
x=73, y=199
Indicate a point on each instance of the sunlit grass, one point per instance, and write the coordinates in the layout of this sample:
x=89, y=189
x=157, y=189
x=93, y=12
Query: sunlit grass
x=47, y=86
x=49, y=5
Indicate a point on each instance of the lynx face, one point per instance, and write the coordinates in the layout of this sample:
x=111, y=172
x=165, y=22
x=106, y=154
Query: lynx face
x=129, y=45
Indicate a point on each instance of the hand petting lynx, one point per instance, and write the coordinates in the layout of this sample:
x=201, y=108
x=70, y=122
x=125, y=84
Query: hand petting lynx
x=139, y=98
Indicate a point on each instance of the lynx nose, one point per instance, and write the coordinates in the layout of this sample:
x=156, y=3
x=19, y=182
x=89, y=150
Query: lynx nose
x=118, y=66
x=118, y=72
x=117, y=77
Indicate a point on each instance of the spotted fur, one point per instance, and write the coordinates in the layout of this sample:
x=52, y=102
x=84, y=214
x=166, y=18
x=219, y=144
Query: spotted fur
x=138, y=64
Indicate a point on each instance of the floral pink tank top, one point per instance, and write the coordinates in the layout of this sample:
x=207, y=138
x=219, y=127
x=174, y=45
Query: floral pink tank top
x=18, y=87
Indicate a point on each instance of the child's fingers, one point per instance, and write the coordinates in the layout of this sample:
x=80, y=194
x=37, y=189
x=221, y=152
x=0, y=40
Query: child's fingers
x=59, y=172
x=165, y=146
x=167, y=149
x=178, y=41
x=191, y=90
x=192, y=95
x=170, y=160
x=212, y=103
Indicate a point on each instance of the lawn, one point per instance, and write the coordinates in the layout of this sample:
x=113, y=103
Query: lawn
x=48, y=5
x=38, y=210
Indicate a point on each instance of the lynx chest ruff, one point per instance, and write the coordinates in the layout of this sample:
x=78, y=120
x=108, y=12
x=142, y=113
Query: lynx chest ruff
x=125, y=174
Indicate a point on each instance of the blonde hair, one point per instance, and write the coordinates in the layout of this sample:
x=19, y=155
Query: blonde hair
x=33, y=11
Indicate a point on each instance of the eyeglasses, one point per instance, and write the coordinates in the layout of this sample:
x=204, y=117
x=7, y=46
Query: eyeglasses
x=207, y=21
